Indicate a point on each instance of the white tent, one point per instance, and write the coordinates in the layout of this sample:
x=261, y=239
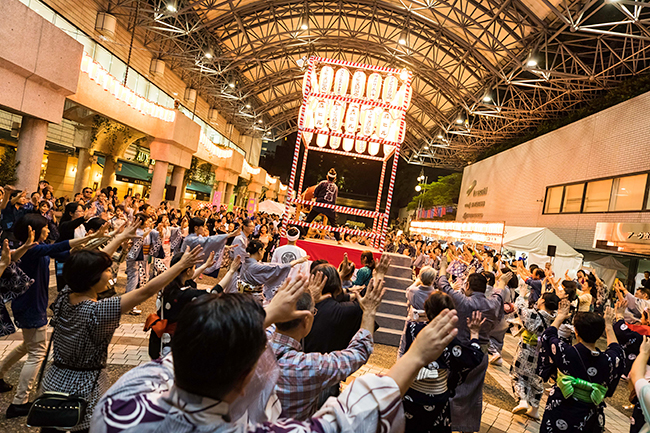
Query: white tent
x=273, y=207
x=534, y=241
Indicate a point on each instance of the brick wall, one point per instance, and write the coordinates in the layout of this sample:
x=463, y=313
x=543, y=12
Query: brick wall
x=609, y=143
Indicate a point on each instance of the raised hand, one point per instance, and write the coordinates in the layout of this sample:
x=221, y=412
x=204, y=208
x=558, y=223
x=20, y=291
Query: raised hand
x=191, y=257
x=374, y=294
x=610, y=315
x=564, y=310
x=474, y=324
x=621, y=305
x=5, y=259
x=434, y=337
x=645, y=346
x=237, y=232
x=234, y=265
x=382, y=267
x=315, y=286
x=282, y=307
x=210, y=261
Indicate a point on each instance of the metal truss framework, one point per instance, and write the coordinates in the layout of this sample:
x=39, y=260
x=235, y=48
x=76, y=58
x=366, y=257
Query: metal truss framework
x=484, y=70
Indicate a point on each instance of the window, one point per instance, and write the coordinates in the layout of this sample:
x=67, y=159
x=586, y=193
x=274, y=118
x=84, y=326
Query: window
x=573, y=198
x=628, y=193
x=553, y=199
x=597, y=196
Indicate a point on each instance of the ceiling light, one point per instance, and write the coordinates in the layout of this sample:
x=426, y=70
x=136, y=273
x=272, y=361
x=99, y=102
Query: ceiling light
x=248, y=106
x=208, y=55
x=171, y=6
x=231, y=85
x=426, y=147
x=487, y=98
x=260, y=121
x=531, y=63
x=459, y=120
x=304, y=23
x=439, y=137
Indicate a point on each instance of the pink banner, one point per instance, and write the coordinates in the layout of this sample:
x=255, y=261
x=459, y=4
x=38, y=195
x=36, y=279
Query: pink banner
x=216, y=199
x=252, y=206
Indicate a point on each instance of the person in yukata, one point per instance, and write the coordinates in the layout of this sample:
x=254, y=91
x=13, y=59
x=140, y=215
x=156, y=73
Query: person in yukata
x=630, y=337
x=218, y=342
x=585, y=375
x=261, y=279
x=426, y=403
x=198, y=236
x=466, y=406
x=526, y=384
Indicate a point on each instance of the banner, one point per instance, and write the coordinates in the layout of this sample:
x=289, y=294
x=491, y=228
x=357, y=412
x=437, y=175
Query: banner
x=231, y=203
x=216, y=199
x=251, y=207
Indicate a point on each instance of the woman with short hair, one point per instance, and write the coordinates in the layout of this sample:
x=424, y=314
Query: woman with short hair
x=84, y=325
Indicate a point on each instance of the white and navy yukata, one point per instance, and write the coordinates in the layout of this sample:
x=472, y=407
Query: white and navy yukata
x=526, y=384
x=603, y=368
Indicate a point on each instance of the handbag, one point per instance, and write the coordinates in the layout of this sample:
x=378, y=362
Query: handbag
x=58, y=409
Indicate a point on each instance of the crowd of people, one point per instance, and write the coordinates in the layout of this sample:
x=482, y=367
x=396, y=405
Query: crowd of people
x=267, y=347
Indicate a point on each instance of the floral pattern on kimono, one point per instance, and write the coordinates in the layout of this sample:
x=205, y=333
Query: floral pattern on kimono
x=13, y=283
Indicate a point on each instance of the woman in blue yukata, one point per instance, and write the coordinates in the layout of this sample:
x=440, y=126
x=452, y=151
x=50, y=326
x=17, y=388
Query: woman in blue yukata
x=585, y=375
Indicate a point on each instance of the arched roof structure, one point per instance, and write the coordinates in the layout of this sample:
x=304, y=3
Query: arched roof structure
x=484, y=70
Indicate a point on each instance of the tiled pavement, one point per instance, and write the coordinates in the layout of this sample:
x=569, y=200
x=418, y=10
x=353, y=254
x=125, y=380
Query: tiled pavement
x=130, y=347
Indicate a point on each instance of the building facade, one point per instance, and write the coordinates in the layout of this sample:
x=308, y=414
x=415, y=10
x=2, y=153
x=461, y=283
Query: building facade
x=79, y=111
x=593, y=171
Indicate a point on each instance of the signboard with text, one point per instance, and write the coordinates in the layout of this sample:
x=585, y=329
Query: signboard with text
x=623, y=237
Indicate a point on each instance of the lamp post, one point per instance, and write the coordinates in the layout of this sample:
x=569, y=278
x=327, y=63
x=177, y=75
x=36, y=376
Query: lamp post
x=421, y=179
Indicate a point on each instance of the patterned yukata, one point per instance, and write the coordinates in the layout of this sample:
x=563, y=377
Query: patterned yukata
x=82, y=333
x=526, y=384
x=604, y=368
x=209, y=244
x=137, y=271
x=426, y=403
x=145, y=400
x=13, y=283
x=630, y=341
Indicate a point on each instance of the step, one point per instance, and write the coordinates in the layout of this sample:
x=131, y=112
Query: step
x=394, y=295
x=399, y=271
x=393, y=307
x=389, y=337
x=399, y=260
x=391, y=321
x=397, y=282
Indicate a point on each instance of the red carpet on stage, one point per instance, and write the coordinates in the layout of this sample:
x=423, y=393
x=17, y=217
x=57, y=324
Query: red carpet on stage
x=332, y=252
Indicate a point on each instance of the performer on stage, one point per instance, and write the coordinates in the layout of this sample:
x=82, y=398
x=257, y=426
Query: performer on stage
x=326, y=192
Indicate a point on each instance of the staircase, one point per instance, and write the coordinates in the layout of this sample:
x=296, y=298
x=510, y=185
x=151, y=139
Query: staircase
x=392, y=311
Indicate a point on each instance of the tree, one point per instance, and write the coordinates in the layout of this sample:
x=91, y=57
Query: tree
x=444, y=192
x=8, y=165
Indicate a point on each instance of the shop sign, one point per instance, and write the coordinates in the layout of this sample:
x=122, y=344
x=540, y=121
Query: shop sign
x=623, y=237
x=131, y=180
x=471, y=193
x=142, y=157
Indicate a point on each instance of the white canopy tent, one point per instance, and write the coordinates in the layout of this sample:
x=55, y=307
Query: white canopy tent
x=534, y=241
x=273, y=207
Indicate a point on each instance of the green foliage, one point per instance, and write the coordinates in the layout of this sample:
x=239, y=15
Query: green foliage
x=199, y=172
x=626, y=90
x=8, y=165
x=444, y=192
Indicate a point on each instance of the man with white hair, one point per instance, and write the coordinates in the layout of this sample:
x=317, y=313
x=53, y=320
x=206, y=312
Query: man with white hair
x=290, y=252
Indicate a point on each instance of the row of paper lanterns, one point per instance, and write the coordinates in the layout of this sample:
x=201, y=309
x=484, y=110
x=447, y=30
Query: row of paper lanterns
x=213, y=149
x=98, y=74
